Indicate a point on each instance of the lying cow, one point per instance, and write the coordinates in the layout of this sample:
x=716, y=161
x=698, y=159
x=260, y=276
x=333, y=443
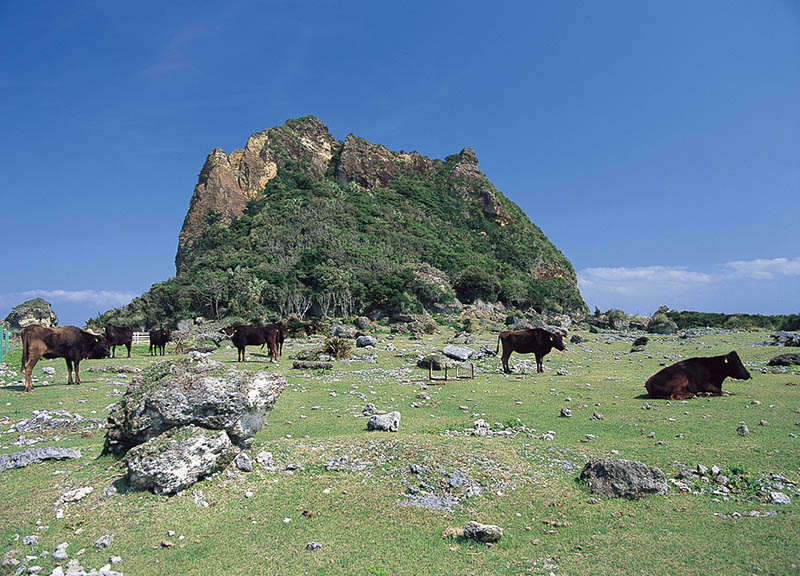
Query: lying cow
x=158, y=339
x=695, y=376
x=119, y=336
x=536, y=340
x=68, y=342
x=244, y=336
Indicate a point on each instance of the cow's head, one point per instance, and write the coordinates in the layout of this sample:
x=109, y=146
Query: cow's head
x=557, y=341
x=735, y=368
x=165, y=334
x=99, y=347
x=228, y=330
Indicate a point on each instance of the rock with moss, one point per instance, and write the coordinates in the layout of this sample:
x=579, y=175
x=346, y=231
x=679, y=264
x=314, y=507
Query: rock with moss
x=193, y=391
x=178, y=458
x=661, y=324
x=36, y=311
x=623, y=478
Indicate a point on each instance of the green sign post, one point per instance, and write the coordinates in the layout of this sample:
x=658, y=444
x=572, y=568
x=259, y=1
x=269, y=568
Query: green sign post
x=5, y=336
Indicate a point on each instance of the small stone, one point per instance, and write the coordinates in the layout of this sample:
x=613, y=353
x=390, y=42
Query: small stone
x=597, y=416
x=651, y=435
x=593, y=500
x=167, y=544
x=104, y=542
x=566, y=413
x=248, y=494
x=764, y=423
x=31, y=540
x=716, y=470
x=485, y=533
x=779, y=498
x=170, y=533
x=742, y=429
x=243, y=462
x=114, y=560
x=313, y=546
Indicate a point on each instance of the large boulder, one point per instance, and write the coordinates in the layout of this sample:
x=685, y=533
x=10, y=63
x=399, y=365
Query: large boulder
x=36, y=311
x=387, y=422
x=660, y=324
x=193, y=391
x=623, y=478
x=175, y=460
x=439, y=361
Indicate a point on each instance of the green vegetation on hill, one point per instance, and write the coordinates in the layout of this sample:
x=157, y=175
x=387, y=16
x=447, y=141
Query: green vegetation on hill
x=314, y=245
x=690, y=319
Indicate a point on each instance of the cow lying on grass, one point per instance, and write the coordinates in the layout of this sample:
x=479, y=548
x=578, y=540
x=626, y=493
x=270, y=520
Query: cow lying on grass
x=536, y=340
x=695, y=376
x=69, y=342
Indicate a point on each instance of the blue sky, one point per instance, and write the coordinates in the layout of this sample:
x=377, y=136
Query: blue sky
x=657, y=144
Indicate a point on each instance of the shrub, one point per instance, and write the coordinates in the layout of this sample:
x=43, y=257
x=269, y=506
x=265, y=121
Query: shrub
x=338, y=347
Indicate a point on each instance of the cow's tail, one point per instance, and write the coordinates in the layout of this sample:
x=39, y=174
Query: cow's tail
x=497, y=350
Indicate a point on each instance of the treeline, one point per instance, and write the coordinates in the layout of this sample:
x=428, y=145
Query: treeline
x=690, y=319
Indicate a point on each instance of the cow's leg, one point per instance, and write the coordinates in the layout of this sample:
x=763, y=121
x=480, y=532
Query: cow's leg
x=504, y=358
x=539, y=367
x=69, y=370
x=128, y=346
x=77, y=371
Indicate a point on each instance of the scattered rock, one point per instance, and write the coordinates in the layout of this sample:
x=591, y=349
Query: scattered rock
x=482, y=532
x=243, y=462
x=75, y=495
x=623, y=478
x=742, y=429
x=104, y=542
x=313, y=546
x=785, y=360
x=312, y=365
x=364, y=341
x=35, y=455
x=388, y=422
x=779, y=498
x=566, y=413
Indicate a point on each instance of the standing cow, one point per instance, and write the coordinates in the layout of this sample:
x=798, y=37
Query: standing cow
x=119, y=336
x=244, y=336
x=694, y=376
x=536, y=340
x=158, y=339
x=68, y=342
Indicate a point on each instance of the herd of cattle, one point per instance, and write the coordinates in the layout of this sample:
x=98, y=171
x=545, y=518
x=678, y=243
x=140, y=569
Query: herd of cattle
x=684, y=379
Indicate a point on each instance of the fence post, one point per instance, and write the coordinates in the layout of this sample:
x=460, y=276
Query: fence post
x=3, y=343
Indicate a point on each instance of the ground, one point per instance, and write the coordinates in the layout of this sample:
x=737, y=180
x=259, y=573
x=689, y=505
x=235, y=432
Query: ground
x=528, y=485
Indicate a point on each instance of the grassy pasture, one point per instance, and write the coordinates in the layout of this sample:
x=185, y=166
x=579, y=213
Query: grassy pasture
x=527, y=483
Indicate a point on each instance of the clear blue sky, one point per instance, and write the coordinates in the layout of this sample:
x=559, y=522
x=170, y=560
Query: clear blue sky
x=657, y=144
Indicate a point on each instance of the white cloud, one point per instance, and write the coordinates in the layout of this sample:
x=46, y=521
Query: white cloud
x=763, y=268
x=758, y=285
x=100, y=299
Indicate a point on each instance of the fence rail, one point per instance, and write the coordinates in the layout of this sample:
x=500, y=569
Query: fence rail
x=141, y=337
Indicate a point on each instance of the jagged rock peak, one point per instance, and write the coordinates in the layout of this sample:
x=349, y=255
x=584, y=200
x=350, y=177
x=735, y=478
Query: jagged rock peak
x=228, y=181
x=467, y=155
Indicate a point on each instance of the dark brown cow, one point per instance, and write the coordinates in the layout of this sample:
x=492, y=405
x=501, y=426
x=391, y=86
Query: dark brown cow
x=158, y=339
x=536, y=340
x=68, y=342
x=244, y=336
x=695, y=376
x=119, y=336
x=280, y=327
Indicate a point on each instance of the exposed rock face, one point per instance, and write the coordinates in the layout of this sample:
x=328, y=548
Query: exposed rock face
x=228, y=181
x=623, y=478
x=36, y=311
x=177, y=459
x=467, y=178
x=785, y=359
x=194, y=391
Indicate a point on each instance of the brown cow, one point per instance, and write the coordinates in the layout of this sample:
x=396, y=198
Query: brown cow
x=68, y=342
x=281, y=329
x=119, y=336
x=695, y=376
x=158, y=340
x=244, y=336
x=536, y=340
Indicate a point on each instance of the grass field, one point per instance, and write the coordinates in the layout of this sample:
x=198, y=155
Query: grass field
x=528, y=484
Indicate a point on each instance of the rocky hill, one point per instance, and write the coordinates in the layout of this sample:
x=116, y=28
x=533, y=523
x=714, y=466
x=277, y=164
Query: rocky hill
x=36, y=311
x=298, y=222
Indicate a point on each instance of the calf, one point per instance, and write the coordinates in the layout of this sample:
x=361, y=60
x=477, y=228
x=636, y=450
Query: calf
x=695, y=376
x=536, y=340
x=158, y=339
x=68, y=342
x=119, y=336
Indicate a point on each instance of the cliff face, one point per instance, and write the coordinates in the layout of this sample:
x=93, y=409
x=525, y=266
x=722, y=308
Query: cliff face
x=228, y=181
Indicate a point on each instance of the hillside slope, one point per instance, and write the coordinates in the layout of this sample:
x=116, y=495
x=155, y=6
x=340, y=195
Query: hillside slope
x=298, y=222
